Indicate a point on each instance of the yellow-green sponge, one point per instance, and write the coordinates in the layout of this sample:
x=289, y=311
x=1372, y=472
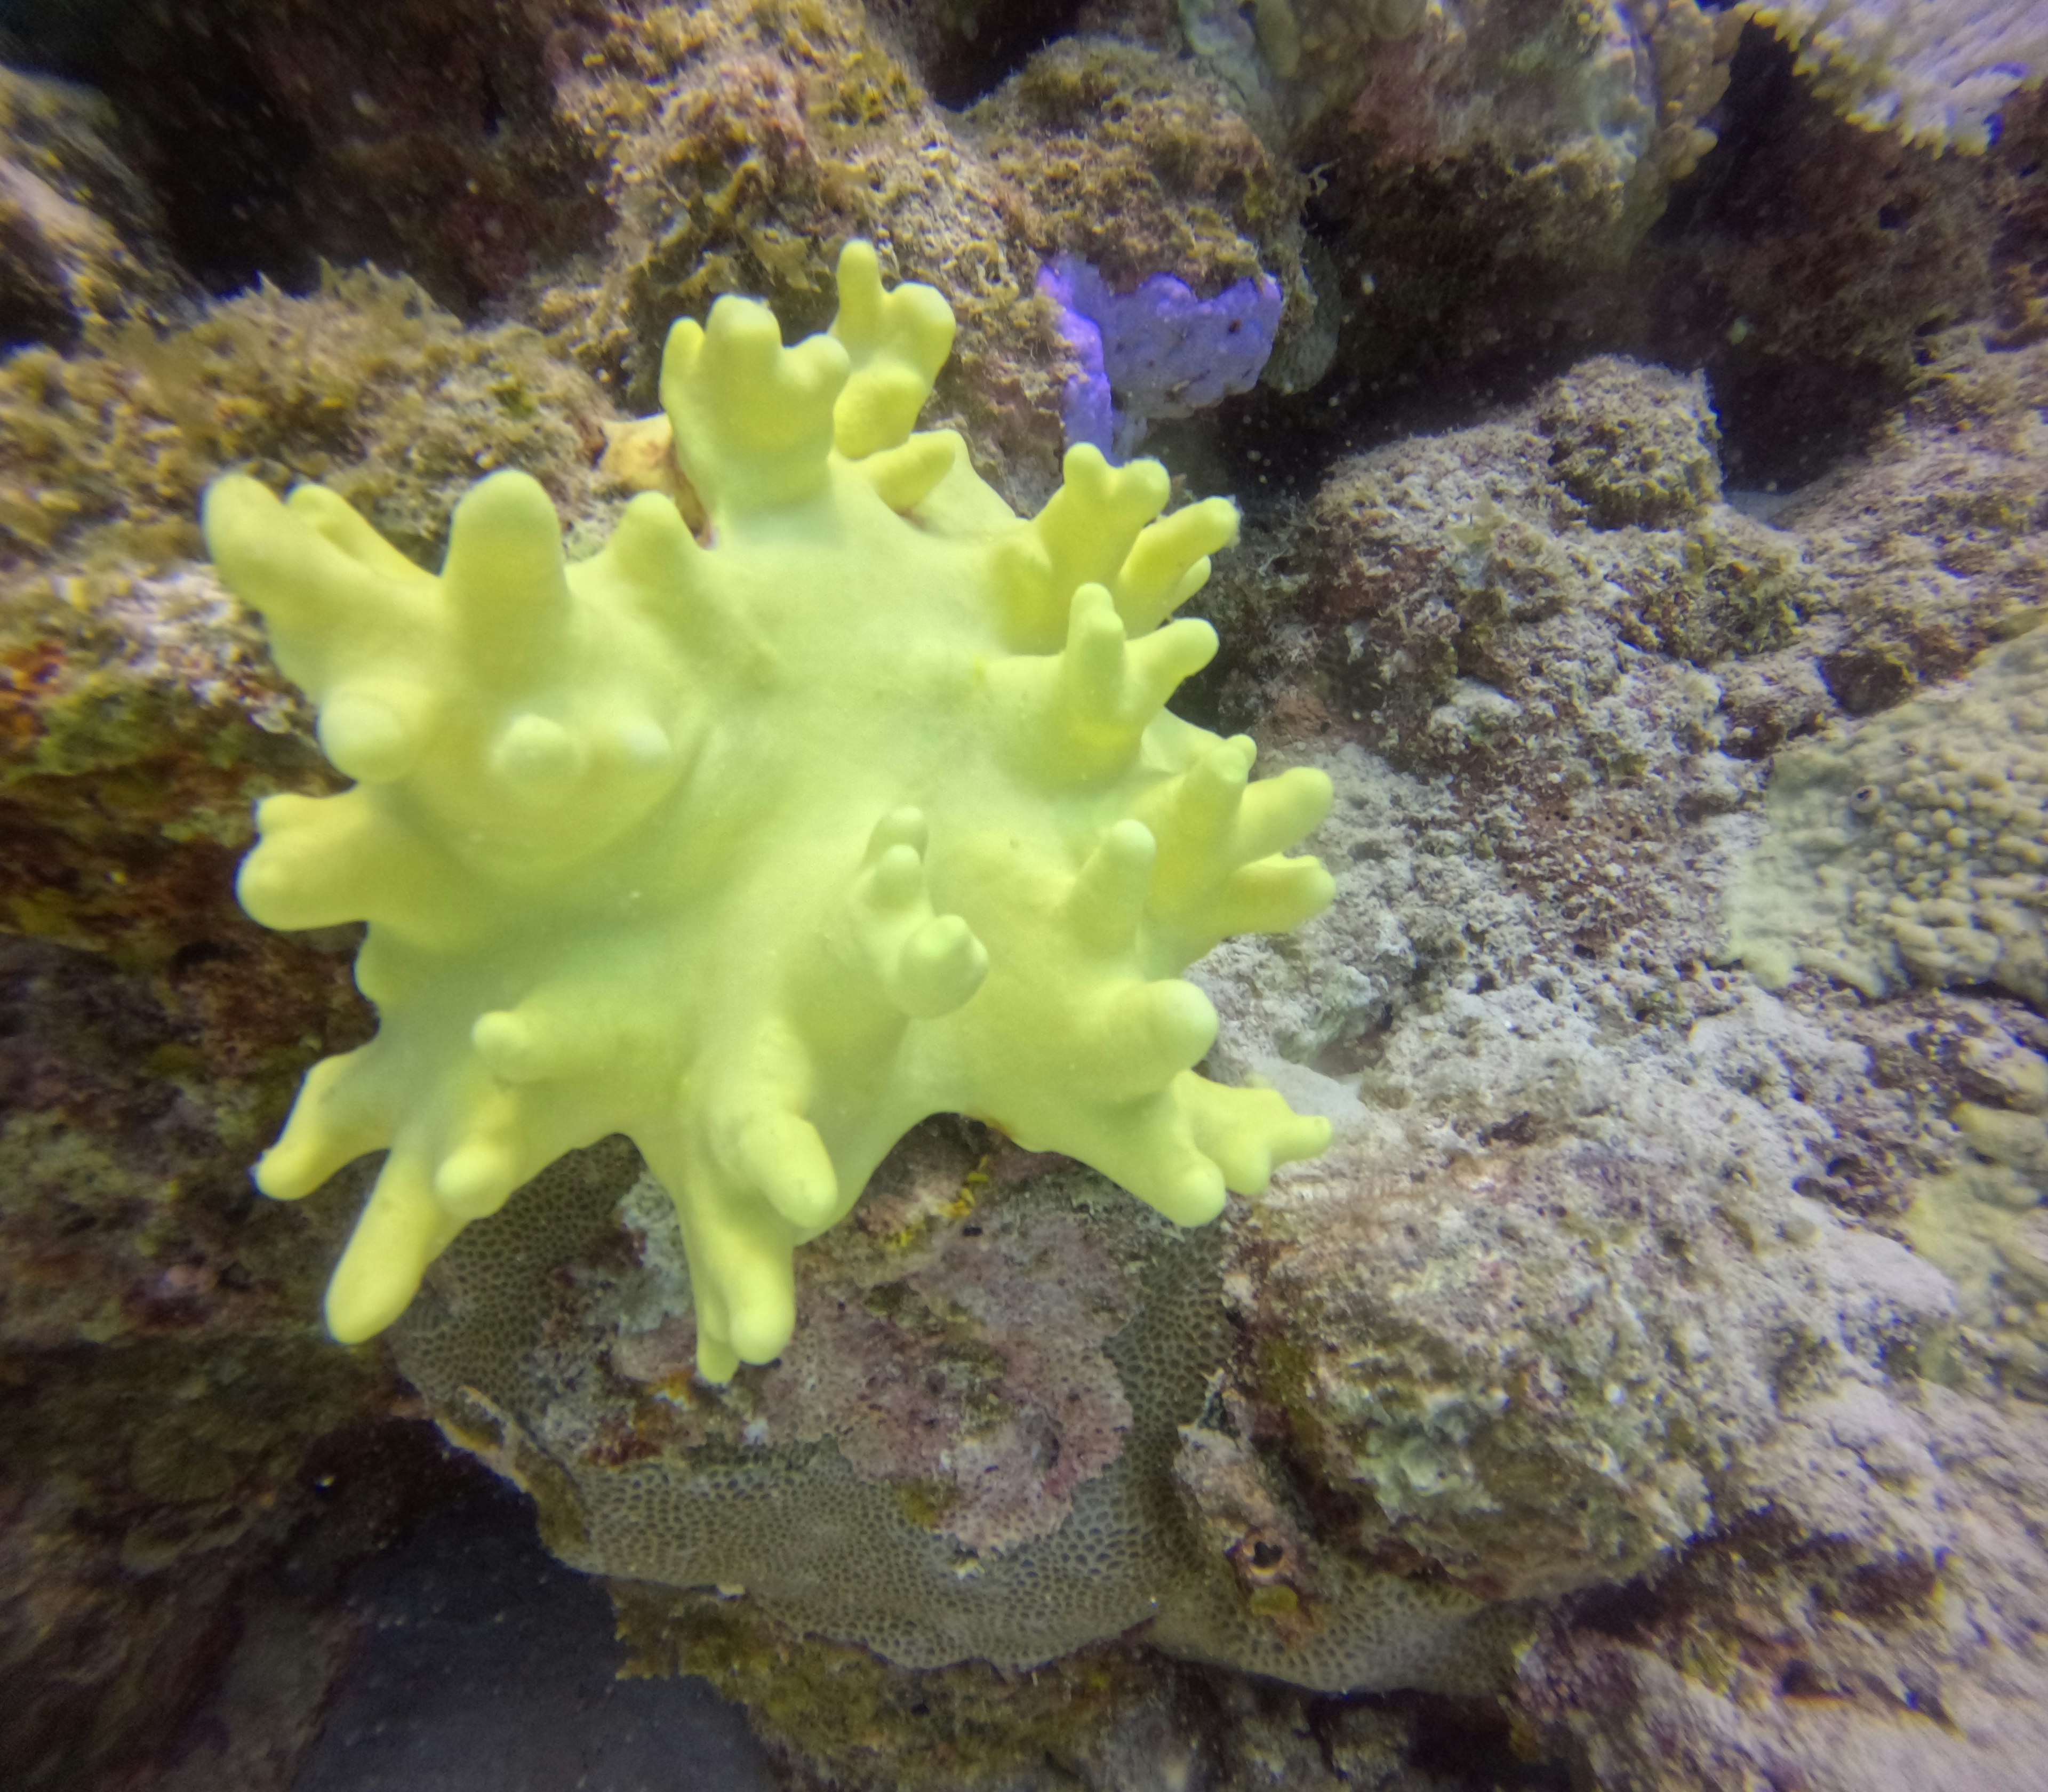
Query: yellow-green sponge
x=761, y=850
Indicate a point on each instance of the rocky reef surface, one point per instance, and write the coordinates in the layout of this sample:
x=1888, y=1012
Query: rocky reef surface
x=1646, y=1391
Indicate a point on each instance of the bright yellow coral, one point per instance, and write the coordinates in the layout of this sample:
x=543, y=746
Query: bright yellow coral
x=762, y=851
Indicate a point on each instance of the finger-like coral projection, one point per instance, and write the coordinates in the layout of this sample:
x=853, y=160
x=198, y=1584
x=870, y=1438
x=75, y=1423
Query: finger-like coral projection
x=759, y=852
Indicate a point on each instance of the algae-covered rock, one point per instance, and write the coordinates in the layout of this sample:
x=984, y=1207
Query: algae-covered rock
x=140, y=716
x=1140, y=163
x=365, y=381
x=166, y=1390
x=1935, y=545
x=1914, y=848
x=1534, y=1360
x=167, y=1408
x=83, y=232
x=1455, y=604
x=1873, y=1625
x=748, y=144
x=1116, y=1718
x=1902, y=848
x=1819, y=267
x=1650, y=1370
x=932, y=1472
x=425, y=136
x=1483, y=166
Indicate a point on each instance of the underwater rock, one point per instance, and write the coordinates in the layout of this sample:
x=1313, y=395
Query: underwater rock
x=1872, y=1627
x=1983, y=1225
x=1554, y=1138
x=1934, y=544
x=169, y=1413
x=104, y=450
x=1902, y=850
x=1110, y=1718
x=1814, y=263
x=1543, y=1302
x=1653, y=1368
x=426, y=137
x=1914, y=850
x=83, y=232
x=161, y=1404
x=744, y=145
x=1140, y=163
x=140, y=712
x=1486, y=604
x=952, y=1530
x=1481, y=167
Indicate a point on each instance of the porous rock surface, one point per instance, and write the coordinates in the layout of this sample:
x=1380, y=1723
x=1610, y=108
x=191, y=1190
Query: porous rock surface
x=1480, y=167
x=1607, y=1276
x=1685, y=1333
x=1600, y=1319
x=926, y=1472
x=83, y=233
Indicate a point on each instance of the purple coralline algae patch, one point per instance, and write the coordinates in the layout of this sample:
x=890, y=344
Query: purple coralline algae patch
x=1157, y=351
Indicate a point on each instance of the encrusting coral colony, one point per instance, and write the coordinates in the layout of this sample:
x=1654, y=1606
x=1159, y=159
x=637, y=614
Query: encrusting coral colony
x=761, y=852
x=1509, y=1250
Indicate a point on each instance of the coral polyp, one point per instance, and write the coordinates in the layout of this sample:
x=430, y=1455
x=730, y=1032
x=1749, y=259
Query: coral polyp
x=760, y=850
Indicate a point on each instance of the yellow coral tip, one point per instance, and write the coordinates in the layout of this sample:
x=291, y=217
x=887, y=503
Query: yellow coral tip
x=717, y=1362
x=1195, y=1197
x=365, y=1301
x=367, y=739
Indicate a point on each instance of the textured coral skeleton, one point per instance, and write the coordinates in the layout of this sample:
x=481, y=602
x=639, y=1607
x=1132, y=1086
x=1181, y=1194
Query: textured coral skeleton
x=1937, y=71
x=761, y=850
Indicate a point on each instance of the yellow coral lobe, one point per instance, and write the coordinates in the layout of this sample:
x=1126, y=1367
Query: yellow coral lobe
x=761, y=852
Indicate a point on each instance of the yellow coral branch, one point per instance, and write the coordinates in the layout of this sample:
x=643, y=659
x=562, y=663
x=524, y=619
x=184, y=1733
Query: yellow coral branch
x=761, y=849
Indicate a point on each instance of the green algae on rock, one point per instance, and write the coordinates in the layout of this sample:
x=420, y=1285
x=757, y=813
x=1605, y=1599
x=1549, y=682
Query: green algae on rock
x=140, y=714
x=84, y=231
x=104, y=451
x=1937, y=74
x=1480, y=173
x=1983, y=1225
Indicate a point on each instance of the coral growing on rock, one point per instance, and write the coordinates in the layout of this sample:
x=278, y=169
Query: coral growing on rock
x=104, y=451
x=992, y=850
x=547, y=1339
x=1937, y=74
x=1532, y=605
x=83, y=233
x=744, y=145
x=1983, y=1223
x=1157, y=352
x=1136, y=162
x=139, y=715
x=1480, y=171
x=1678, y=1336
x=1933, y=544
x=1918, y=849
